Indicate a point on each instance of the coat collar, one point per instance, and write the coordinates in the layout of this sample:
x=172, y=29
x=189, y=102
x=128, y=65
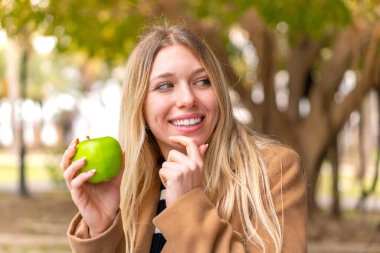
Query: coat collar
x=147, y=211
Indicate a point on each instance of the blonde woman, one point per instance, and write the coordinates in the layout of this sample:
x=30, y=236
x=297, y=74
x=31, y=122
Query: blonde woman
x=195, y=180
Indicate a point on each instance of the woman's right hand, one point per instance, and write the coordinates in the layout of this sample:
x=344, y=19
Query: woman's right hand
x=98, y=203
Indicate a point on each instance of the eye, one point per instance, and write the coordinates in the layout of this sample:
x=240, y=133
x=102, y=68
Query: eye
x=203, y=82
x=164, y=86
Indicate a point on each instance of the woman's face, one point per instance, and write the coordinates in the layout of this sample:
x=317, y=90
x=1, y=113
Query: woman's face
x=180, y=99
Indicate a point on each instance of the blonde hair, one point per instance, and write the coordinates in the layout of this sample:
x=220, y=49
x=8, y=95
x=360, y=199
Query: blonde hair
x=235, y=180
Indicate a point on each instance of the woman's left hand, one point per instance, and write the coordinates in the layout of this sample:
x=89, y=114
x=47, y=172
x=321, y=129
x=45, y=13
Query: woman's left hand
x=182, y=173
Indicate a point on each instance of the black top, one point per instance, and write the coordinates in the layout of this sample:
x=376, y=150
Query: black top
x=159, y=240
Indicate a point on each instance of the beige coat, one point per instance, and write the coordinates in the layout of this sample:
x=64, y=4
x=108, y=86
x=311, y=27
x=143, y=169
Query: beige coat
x=192, y=223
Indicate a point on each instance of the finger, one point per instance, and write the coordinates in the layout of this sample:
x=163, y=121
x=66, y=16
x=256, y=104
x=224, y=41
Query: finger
x=180, y=167
x=79, y=180
x=203, y=149
x=72, y=170
x=163, y=176
x=185, y=167
x=74, y=142
x=166, y=174
x=176, y=156
x=191, y=147
x=184, y=162
x=68, y=154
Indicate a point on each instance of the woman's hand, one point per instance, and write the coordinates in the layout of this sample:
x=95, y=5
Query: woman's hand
x=182, y=173
x=97, y=203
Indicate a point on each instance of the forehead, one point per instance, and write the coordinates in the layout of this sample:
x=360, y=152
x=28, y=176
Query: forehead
x=174, y=57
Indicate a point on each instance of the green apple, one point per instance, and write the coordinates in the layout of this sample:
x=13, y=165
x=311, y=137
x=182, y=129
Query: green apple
x=103, y=154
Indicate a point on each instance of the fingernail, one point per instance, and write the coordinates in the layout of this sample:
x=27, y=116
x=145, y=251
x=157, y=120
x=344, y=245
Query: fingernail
x=206, y=147
x=73, y=143
x=91, y=171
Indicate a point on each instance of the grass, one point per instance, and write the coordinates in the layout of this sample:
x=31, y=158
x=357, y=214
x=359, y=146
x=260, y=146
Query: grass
x=47, y=214
x=349, y=185
x=37, y=223
x=41, y=165
x=34, y=248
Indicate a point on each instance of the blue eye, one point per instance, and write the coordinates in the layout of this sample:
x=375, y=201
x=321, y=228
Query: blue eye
x=164, y=86
x=203, y=82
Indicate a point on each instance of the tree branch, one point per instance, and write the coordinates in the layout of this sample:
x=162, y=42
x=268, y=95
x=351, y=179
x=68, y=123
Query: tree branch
x=265, y=44
x=300, y=63
x=339, y=112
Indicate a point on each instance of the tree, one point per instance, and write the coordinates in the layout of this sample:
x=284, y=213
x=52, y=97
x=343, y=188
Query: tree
x=316, y=42
x=317, y=56
x=20, y=20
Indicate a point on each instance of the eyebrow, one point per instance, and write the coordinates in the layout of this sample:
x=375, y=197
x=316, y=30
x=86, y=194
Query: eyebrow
x=168, y=74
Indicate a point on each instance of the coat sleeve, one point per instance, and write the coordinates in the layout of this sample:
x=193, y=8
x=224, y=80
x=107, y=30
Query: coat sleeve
x=110, y=241
x=192, y=223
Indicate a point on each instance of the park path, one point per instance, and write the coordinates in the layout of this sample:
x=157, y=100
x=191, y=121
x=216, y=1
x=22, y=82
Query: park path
x=32, y=239
x=60, y=241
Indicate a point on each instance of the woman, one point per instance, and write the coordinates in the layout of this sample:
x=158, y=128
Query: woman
x=227, y=188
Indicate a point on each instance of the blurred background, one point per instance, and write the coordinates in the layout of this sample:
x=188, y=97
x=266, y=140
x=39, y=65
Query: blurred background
x=305, y=71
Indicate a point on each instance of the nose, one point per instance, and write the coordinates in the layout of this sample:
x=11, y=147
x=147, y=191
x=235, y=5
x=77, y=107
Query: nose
x=185, y=97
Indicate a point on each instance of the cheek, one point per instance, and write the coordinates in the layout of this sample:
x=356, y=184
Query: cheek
x=154, y=111
x=148, y=111
x=215, y=110
x=213, y=105
x=215, y=116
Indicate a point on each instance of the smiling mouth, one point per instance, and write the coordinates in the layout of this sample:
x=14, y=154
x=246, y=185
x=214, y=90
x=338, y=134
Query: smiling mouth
x=187, y=122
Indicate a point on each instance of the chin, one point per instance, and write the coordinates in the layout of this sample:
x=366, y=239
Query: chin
x=199, y=141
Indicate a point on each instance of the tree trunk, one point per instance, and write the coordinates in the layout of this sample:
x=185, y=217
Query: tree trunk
x=311, y=135
x=333, y=157
x=22, y=149
x=14, y=72
x=367, y=192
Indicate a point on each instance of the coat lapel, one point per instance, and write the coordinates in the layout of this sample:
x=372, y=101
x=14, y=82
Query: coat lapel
x=147, y=211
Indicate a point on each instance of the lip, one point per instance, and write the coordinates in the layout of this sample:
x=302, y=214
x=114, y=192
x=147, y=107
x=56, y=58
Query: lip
x=187, y=129
x=187, y=116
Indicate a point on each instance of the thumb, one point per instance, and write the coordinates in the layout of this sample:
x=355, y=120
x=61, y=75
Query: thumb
x=202, y=149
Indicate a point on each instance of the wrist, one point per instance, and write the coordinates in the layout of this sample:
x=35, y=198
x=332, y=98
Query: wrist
x=101, y=227
x=95, y=232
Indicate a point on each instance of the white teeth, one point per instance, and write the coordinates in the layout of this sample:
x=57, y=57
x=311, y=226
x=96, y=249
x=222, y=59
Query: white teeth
x=186, y=122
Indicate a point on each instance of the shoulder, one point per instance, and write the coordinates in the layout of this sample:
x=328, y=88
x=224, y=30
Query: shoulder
x=282, y=163
x=279, y=154
x=272, y=151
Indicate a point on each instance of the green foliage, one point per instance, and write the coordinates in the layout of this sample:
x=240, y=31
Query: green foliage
x=310, y=18
x=305, y=17
x=109, y=29
x=365, y=9
x=106, y=29
x=20, y=18
x=226, y=12
x=55, y=69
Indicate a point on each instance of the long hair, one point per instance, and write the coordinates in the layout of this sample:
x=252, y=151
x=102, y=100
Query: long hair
x=234, y=180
